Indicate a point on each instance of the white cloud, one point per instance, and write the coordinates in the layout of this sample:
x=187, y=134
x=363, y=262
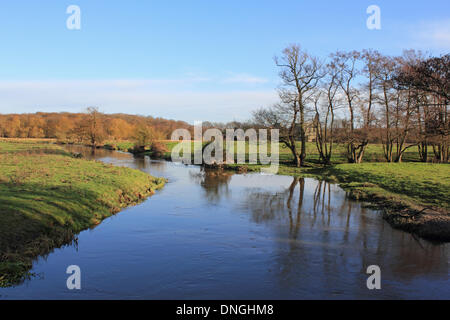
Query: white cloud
x=245, y=79
x=432, y=35
x=174, y=99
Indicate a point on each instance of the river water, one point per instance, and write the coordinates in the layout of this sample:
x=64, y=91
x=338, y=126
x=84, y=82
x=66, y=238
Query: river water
x=211, y=235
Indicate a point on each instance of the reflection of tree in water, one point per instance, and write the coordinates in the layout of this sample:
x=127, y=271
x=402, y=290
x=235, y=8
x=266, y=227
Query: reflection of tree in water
x=329, y=237
x=214, y=183
x=266, y=206
x=141, y=162
x=146, y=164
x=96, y=153
x=294, y=224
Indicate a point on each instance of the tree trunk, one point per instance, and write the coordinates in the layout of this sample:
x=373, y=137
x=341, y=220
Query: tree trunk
x=303, y=136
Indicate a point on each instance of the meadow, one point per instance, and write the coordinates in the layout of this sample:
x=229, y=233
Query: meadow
x=374, y=152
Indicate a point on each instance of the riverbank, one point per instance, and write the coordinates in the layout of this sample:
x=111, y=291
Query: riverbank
x=47, y=196
x=413, y=196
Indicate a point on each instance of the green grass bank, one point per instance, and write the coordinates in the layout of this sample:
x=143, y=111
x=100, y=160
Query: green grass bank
x=47, y=197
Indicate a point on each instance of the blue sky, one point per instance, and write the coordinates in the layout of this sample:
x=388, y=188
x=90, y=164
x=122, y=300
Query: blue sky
x=190, y=60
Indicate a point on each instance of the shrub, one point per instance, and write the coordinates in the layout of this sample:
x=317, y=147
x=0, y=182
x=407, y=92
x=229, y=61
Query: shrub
x=158, y=149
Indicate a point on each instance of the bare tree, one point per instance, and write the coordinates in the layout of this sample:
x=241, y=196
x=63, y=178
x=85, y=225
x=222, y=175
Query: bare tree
x=91, y=127
x=346, y=62
x=284, y=117
x=325, y=104
x=400, y=107
x=370, y=70
x=430, y=78
x=389, y=100
x=401, y=102
x=300, y=73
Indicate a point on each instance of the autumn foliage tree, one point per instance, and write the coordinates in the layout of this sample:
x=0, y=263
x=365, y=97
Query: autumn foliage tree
x=91, y=127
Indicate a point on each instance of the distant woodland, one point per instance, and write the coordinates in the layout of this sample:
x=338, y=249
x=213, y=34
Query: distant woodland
x=91, y=127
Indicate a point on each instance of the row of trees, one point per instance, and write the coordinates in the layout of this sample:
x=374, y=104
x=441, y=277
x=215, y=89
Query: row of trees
x=92, y=127
x=354, y=98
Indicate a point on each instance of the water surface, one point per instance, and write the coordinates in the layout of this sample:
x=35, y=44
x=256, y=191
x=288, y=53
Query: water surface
x=211, y=235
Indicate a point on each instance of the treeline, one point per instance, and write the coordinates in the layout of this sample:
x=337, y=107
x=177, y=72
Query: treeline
x=355, y=98
x=91, y=127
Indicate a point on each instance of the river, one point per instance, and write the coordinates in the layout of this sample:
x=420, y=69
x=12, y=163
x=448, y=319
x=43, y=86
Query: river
x=212, y=235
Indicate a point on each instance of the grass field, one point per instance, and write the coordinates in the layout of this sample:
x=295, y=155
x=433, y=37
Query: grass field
x=424, y=183
x=28, y=145
x=119, y=145
x=374, y=152
x=414, y=197
x=47, y=196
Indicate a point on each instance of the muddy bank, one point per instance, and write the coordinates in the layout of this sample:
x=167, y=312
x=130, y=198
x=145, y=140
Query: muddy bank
x=430, y=223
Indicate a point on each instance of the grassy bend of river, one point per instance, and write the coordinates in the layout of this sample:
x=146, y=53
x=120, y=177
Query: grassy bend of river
x=217, y=235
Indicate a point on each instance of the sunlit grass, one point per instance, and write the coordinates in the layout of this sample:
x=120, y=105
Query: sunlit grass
x=46, y=196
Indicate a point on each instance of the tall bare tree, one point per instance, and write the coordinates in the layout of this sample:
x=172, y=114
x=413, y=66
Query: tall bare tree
x=300, y=73
x=325, y=104
x=430, y=78
x=347, y=64
x=284, y=117
x=397, y=110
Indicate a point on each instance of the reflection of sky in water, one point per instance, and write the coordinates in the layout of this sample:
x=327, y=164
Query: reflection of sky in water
x=218, y=235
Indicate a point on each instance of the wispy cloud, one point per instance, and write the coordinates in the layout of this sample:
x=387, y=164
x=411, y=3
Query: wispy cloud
x=430, y=35
x=175, y=98
x=243, y=78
